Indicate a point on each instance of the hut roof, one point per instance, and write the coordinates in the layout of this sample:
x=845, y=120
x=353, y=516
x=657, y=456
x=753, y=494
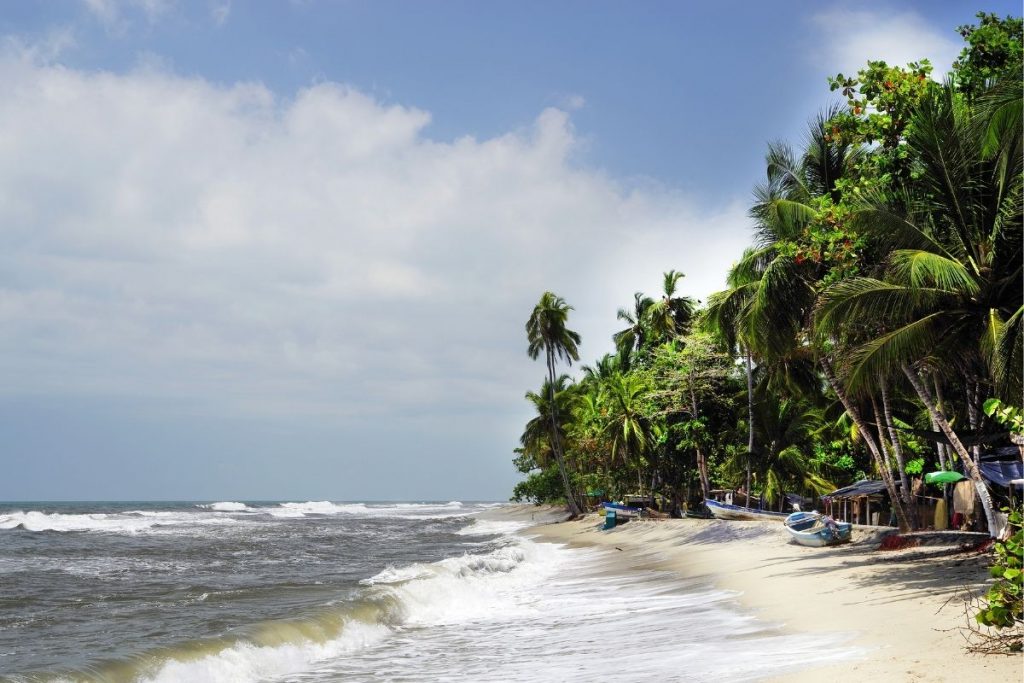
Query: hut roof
x=864, y=487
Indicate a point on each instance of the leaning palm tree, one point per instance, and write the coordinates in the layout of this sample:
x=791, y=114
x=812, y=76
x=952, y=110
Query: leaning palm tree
x=949, y=298
x=546, y=331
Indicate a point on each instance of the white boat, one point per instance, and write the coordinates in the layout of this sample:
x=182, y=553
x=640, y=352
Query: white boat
x=727, y=511
x=815, y=530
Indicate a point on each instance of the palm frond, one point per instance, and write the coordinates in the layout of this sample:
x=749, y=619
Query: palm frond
x=924, y=269
x=884, y=355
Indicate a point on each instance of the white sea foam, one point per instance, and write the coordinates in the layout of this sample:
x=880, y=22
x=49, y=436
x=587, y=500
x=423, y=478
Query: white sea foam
x=526, y=611
x=486, y=527
x=133, y=522
x=394, y=510
x=34, y=520
x=228, y=506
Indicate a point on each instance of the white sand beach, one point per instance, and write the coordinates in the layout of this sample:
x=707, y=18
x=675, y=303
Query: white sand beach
x=902, y=607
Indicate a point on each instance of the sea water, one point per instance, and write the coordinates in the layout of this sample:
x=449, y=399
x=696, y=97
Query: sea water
x=324, y=591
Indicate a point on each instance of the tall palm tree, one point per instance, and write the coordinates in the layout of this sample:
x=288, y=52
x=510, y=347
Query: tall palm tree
x=671, y=315
x=546, y=331
x=633, y=339
x=948, y=298
x=536, y=438
x=728, y=317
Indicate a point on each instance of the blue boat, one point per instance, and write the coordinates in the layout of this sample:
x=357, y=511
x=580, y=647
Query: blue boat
x=816, y=530
x=727, y=511
x=623, y=511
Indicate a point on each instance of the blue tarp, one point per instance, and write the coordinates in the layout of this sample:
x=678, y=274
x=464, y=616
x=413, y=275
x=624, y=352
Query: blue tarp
x=1002, y=472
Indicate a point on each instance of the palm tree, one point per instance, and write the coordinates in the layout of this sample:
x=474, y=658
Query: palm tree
x=671, y=315
x=786, y=428
x=628, y=428
x=633, y=339
x=948, y=298
x=779, y=312
x=536, y=438
x=728, y=317
x=546, y=331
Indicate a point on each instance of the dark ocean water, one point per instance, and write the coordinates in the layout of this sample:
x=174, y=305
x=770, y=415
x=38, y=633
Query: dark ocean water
x=321, y=591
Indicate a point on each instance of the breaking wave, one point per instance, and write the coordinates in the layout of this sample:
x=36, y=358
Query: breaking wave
x=227, y=506
x=450, y=591
x=396, y=510
x=133, y=522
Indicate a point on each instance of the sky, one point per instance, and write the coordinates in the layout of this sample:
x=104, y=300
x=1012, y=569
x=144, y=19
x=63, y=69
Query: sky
x=286, y=251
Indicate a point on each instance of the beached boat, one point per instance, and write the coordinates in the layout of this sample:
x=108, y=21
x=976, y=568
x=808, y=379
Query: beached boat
x=727, y=511
x=700, y=512
x=623, y=511
x=816, y=530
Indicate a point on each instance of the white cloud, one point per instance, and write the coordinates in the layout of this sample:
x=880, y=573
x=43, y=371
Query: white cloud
x=170, y=237
x=220, y=10
x=114, y=14
x=44, y=49
x=849, y=38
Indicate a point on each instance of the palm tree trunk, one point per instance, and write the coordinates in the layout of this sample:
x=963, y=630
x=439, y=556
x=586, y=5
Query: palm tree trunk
x=970, y=466
x=897, y=449
x=869, y=439
x=750, y=422
x=886, y=472
x=702, y=465
x=973, y=415
x=945, y=458
x=556, y=441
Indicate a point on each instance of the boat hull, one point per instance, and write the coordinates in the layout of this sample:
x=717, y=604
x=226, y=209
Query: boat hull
x=807, y=528
x=622, y=511
x=737, y=512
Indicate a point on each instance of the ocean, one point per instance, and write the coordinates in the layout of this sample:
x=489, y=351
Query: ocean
x=324, y=591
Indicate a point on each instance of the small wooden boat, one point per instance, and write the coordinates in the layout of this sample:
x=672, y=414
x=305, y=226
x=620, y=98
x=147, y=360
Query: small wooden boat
x=623, y=511
x=815, y=530
x=727, y=511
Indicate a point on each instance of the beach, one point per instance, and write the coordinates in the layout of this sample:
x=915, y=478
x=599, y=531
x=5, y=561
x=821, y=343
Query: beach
x=902, y=609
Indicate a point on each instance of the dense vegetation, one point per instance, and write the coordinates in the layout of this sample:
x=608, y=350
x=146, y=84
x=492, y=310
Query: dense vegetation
x=879, y=303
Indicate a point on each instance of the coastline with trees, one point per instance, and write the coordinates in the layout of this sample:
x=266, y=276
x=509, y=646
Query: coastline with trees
x=872, y=329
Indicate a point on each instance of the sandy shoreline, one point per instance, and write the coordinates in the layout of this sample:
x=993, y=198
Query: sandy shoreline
x=902, y=607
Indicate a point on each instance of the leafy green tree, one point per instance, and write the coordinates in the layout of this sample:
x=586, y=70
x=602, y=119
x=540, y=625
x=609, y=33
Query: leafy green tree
x=948, y=296
x=993, y=53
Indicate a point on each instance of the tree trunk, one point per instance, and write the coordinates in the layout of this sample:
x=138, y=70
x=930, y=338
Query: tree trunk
x=869, y=439
x=750, y=422
x=897, y=449
x=702, y=465
x=969, y=465
x=886, y=472
x=973, y=415
x=944, y=455
x=556, y=441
